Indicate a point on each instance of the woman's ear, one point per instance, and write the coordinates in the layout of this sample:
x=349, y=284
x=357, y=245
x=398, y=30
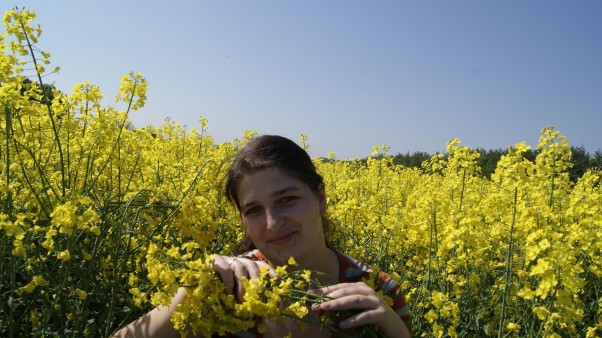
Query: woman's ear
x=322, y=198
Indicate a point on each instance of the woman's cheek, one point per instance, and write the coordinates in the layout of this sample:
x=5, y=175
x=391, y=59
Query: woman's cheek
x=252, y=225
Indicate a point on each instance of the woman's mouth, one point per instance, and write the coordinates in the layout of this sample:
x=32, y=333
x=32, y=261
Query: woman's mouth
x=282, y=239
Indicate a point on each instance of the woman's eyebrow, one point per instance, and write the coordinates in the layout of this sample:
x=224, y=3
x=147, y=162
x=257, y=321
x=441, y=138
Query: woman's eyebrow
x=285, y=190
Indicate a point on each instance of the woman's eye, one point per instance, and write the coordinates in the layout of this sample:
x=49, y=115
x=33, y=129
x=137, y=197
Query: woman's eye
x=288, y=199
x=251, y=211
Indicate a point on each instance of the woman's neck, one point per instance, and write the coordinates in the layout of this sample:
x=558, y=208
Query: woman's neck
x=325, y=261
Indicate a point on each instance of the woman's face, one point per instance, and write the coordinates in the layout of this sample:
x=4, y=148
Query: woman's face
x=282, y=215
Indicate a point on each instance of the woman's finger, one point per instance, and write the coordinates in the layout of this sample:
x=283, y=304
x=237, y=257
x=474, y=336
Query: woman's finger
x=271, y=272
x=347, y=296
x=232, y=269
x=358, y=296
x=221, y=265
x=241, y=268
x=342, y=289
x=363, y=318
x=245, y=268
x=354, y=301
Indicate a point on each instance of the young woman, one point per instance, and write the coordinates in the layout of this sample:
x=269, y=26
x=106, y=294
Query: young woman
x=282, y=203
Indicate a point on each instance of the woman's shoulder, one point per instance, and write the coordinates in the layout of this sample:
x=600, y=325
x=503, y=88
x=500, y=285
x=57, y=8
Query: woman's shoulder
x=351, y=269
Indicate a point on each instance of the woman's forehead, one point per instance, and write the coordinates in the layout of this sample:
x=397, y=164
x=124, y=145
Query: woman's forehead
x=267, y=182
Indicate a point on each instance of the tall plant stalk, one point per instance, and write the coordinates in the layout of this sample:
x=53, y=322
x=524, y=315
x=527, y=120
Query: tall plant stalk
x=508, y=274
x=50, y=113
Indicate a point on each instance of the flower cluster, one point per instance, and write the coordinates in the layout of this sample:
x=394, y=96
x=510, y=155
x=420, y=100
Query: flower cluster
x=207, y=309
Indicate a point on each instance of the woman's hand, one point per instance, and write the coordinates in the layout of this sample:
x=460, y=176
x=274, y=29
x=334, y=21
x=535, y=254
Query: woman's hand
x=360, y=296
x=232, y=269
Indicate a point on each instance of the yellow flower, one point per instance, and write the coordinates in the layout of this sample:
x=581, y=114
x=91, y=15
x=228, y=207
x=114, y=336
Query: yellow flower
x=28, y=288
x=35, y=281
x=281, y=270
x=133, y=90
x=81, y=293
x=19, y=248
x=86, y=255
x=298, y=309
x=591, y=332
x=306, y=275
x=438, y=298
x=64, y=255
x=541, y=312
x=64, y=218
x=34, y=318
x=431, y=316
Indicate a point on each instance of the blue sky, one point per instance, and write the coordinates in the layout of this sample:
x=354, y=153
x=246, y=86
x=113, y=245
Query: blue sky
x=349, y=74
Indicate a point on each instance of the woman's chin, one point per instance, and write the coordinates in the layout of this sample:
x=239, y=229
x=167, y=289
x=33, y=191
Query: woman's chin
x=281, y=257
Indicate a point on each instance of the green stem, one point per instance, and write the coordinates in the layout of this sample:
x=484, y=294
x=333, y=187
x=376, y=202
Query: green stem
x=104, y=165
x=119, y=167
x=39, y=168
x=428, y=267
x=50, y=114
x=117, y=142
x=129, y=181
x=551, y=201
x=462, y=189
x=508, y=266
x=8, y=132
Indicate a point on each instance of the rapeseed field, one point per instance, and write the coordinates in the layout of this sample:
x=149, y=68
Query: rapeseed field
x=100, y=222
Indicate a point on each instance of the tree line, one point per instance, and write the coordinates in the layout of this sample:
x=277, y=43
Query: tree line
x=581, y=159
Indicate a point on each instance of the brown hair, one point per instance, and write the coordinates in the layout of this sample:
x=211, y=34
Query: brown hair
x=271, y=151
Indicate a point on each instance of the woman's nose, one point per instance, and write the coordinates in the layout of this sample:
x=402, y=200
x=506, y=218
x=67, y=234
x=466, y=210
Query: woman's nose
x=273, y=218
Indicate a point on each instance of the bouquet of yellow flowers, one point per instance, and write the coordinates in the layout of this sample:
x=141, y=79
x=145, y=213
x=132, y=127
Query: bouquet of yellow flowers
x=208, y=310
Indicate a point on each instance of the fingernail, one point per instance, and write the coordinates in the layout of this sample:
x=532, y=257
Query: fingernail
x=315, y=306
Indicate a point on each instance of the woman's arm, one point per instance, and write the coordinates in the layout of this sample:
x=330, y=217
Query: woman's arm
x=360, y=296
x=156, y=323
